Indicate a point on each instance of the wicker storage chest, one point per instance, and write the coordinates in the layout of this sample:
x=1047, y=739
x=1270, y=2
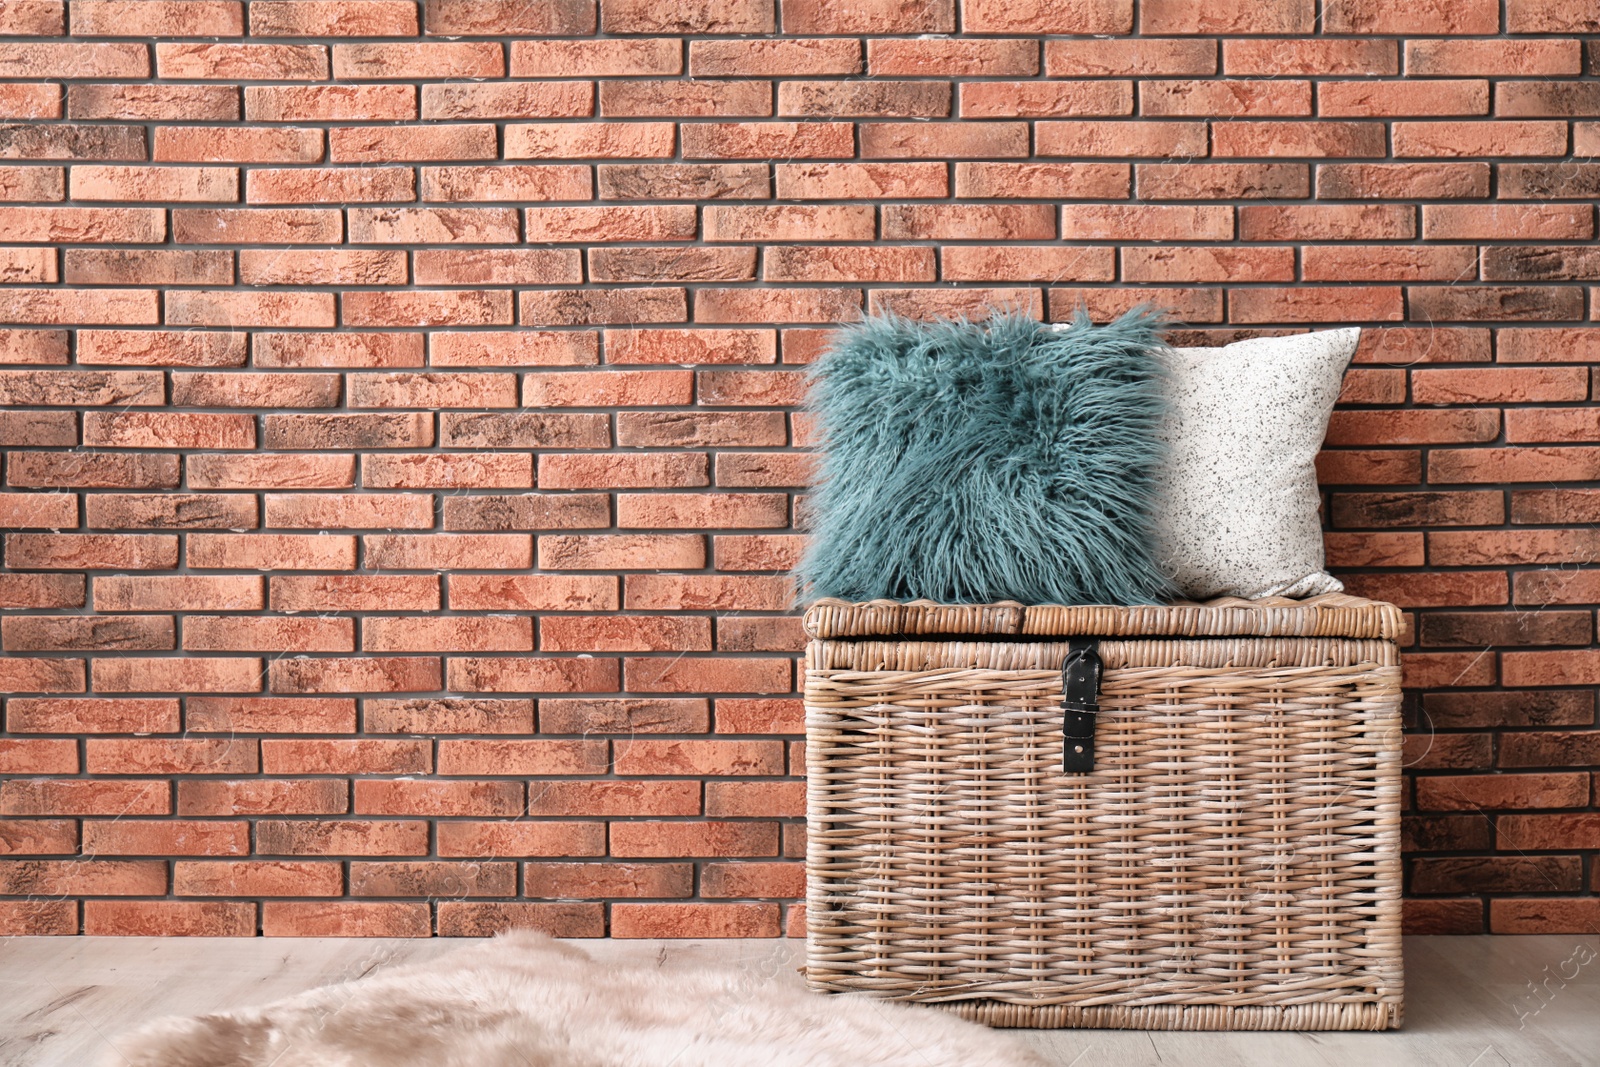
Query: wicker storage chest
x=1230, y=859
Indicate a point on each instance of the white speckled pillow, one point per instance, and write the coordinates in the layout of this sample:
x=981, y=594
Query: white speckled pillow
x=1239, y=491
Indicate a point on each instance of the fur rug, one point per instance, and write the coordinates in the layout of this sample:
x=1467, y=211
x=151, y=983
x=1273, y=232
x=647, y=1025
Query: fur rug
x=523, y=1000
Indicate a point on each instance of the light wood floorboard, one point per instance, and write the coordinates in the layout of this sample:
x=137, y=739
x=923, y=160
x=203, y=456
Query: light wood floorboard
x=1470, y=1000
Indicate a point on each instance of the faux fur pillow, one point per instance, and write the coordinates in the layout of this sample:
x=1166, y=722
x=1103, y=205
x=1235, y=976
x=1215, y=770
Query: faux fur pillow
x=975, y=463
x=1238, y=491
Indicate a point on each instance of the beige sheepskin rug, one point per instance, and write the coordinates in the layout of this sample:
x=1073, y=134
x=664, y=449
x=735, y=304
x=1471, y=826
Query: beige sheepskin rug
x=523, y=1000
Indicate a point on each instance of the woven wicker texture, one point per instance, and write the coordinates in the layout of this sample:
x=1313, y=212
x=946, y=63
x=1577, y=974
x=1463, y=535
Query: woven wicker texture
x=1334, y=614
x=1232, y=863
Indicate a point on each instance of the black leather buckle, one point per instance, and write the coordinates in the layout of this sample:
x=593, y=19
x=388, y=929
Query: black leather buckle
x=1080, y=692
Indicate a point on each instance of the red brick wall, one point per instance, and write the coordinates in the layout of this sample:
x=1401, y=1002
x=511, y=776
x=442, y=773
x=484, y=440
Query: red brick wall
x=401, y=446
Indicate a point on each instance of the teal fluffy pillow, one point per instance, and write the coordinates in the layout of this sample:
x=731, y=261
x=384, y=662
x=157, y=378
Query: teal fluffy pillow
x=975, y=463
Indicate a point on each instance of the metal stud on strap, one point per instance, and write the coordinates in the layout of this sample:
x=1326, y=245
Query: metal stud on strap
x=1080, y=693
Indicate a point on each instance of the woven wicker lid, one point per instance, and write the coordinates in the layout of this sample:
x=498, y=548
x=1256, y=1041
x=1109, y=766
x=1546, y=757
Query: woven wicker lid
x=1332, y=615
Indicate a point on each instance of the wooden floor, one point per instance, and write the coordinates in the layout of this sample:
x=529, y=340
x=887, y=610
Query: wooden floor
x=1470, y=1000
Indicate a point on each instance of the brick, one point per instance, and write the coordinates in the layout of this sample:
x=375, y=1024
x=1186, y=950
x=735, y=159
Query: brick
x=1440, y=589
x=694, y=920
x=233, y=144
x=1505, y=57
x=162, y=348
x=605, y=224
x=523, y=839
x=167, y=429
x=1537, y=707
x=1413, y=427
x=239, y=674
x=447, y=471
x=43, y=18
x=372, y=674
x=1005, y=222
x=1478, y=628
x=607, y=388
x=1401, y=263
x=1316, y=56
x=1542, y=16
x=44, y=837
x=302, y=552
x=332, y=18
x=674, y=840
x=1576, y=830
x=1222, y=181
x=61, y=633
x=457, y=307
x=1549, y=747
x=91, y=715
x=322, y=267
x=1348, y=181
x=1496, y=874
x=694, y=674
x=498, y=266
x=878, y=99
x=398, y=144
x=789, y=223
x=210, y=633
x=127, y=307
x=1462, y=303
x=1502, y=791
x=766, y=388
x=1322, y=139
x=38, y=918
x=91, y=470
x=1540, y=262
x=270, y=715
x=523, y=348
x=674, y=99
x=183, y=103
x=34, y=346
x=114, y=878
x=324, y=103
x=682, y=181
x=1490, y=138
x=591, y=633
x=1042, y=263
x=346, y=349
x=1121, y=139
x=271, y=472
x=460, y=918
x=667, y=470
x=597, y=58
x=236, y=309
x=497, y=17
x=755, y=799
x=402, y=879
x=587, y=140
x=1459, y=222
x=263, y=796
x=153, y=18
x=170, y=837
x=363, y=756
x=62, y=141
x=1430, y=17
x=374, y=592
x=849, y=181
x=502, y=633
x=255, y=390
x=1365, y=98
x=449, y=551
x=1180, y=264
x=227, y=62
x=582, y=880
x=700, y=429
x=453, y=716
x=943, y=140
x=1434, y=833
x=30, y=101
x=760, y=716
x=971, y=304
x=1101, y=222
x=523, y=757
x=169, y=918
x=40, y=429
x=525, y=430
x=1038, y=16
x=417, y=60
x=765, y=140
x=528, y=511
x=178, y=592
x=433, y=389
x=1417, y=509
x=83, y=796
x=691, y=17
x=27, y=59
x=490, y=674
x=1551, y=424
x=283, y=918
x=311, y=185
x=1499, y=384
x=768, y=58
x=589, y=307
x=1458, y=466
x=91, y=551
x=38, y=510
x=1549, y=668
x=37, y=755
x=627, y=715
x=1312, y=304
x=1553, y=506
x=1374, y=549
x=1225, y=97
x=434, y=798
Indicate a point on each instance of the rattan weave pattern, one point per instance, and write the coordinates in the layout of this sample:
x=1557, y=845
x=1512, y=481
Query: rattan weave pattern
x=1232, y=862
